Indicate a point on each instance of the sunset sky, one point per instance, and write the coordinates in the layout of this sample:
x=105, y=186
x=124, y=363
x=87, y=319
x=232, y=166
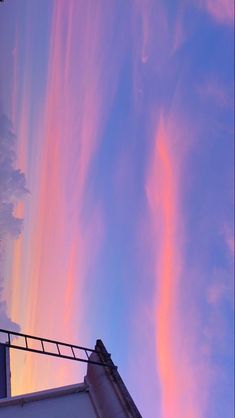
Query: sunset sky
x=122, y=115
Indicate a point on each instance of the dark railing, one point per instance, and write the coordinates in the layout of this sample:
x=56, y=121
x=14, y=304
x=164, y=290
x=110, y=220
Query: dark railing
x=54, y=348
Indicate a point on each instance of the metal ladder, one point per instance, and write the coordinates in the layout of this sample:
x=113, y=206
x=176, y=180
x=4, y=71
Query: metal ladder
x=54, y=348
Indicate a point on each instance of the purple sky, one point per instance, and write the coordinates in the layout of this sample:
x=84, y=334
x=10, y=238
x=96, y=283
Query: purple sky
x=120, y=115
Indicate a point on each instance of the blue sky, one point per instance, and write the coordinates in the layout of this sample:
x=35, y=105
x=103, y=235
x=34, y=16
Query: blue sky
x=124, y=122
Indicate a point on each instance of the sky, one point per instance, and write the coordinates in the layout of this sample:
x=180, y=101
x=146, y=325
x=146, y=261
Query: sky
x=116, y=194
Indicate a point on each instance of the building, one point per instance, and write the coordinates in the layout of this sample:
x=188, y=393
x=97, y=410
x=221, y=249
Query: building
x=103, y=393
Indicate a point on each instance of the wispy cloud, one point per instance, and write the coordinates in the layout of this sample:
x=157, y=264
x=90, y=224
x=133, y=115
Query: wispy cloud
x=215, y=91
x=220, y=10
x=178, y=376
x=64, y=232
x=63, y=113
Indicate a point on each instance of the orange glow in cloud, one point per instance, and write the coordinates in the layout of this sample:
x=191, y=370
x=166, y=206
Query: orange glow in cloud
x=175, y=372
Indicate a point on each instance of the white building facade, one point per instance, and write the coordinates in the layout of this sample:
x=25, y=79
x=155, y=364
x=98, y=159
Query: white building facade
x=103, y=394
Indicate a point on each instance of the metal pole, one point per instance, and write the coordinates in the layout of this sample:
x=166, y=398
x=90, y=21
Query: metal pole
x=3, y=371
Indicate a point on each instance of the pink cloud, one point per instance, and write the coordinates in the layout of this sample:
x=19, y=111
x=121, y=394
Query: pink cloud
x=220, y=10
x=214, y=90
x=183, y=339
x=58, y=243
x=178, y=376
x=218, y=292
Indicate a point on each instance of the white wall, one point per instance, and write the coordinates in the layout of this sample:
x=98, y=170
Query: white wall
x=75, y=405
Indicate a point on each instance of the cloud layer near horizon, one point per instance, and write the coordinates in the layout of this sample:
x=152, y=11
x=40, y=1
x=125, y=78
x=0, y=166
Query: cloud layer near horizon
x=12, y=190
x=12, y=181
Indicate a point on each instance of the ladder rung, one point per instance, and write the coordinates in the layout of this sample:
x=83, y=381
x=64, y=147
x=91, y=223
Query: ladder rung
x=43, y=350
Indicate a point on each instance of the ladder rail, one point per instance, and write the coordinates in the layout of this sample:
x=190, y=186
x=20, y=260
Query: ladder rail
x=32, y=337
x=57, y=345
